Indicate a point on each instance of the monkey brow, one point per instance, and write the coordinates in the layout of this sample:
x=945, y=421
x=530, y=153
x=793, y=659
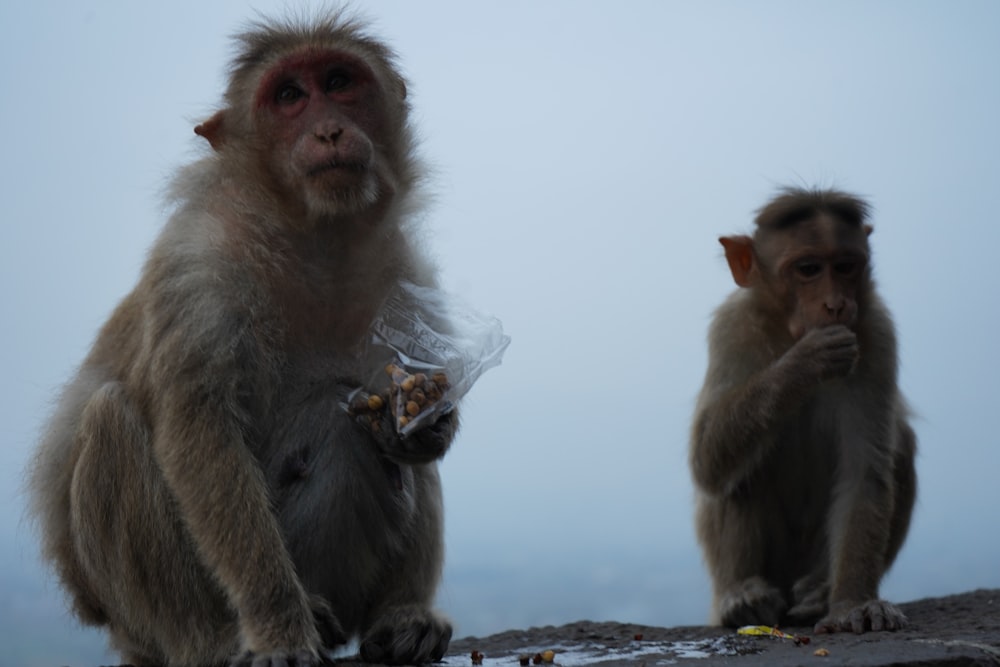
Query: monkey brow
x=794, y=206
x=786, y=219
x=309, y=59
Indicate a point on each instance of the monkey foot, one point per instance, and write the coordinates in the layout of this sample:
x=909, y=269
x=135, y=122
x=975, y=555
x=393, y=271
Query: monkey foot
x=407, y=635
x=805, y=613
x=810, y=596
x=754, y=602
x=874, y=615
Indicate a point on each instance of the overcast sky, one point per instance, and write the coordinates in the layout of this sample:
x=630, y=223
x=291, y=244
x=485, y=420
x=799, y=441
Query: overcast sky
x=586, y=156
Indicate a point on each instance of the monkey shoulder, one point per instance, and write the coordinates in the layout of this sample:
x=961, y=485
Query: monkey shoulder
x=192, y=313
x=742, y=339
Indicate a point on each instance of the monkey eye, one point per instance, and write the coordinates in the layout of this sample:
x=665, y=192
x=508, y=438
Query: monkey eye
x=288, y=94
x=808, y=269
x=847, y=267
x=338, y=80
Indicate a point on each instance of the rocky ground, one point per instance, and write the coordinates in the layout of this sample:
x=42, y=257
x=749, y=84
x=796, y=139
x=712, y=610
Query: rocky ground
x=951, y=631
x=954, y=630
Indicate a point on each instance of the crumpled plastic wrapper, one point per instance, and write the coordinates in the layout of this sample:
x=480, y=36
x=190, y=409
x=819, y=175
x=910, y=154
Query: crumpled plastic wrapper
x=435, y=347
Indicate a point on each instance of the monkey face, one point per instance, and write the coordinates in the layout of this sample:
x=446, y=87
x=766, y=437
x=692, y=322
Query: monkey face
x=322, y=112
x=825, y=293
x=823, y=266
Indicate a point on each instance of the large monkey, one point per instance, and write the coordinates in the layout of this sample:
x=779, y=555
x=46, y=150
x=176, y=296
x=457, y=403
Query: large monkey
x=199, y=491
x=801, y=450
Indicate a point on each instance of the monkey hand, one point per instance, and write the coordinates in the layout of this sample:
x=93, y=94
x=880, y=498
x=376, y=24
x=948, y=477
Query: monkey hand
x=330, y=634
x=859, y=617
x=406, y=635
x=422, y=445
x=824, y=353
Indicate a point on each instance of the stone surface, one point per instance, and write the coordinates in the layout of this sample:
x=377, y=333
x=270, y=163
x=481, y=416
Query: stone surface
x=954, y=630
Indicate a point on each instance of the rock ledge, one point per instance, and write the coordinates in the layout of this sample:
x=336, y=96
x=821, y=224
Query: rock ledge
x=955, y=630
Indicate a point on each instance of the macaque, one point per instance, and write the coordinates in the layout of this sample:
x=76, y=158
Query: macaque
x=801, y=450
x=199, y=490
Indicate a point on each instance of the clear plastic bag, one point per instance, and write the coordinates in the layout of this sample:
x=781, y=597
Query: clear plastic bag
x=435, y=347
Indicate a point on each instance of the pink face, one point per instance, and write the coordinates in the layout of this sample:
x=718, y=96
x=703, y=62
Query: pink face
x=323, y=113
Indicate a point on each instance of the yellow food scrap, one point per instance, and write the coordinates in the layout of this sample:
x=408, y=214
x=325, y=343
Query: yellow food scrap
x=768, y=631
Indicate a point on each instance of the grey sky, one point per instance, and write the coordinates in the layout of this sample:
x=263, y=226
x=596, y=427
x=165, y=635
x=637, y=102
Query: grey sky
x=586, y=155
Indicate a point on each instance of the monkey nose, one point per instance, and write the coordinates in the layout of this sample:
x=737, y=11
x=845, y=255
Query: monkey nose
x=328, y=134
x=835, y=309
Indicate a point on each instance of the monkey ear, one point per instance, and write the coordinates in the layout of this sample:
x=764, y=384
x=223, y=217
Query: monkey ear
x=739, y=254
x=868, y=230
x=213, y=129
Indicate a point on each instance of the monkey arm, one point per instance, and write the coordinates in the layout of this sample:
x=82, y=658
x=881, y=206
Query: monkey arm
x=757, y=376
x=242, y=547
x=860, y=528
x=745, y=396
x=864, y=501
x=730, y=433
x=209, y=367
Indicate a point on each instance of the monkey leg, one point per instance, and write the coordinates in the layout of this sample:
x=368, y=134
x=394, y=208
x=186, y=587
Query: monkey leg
x=161, y=605
x=100, y=488
x=403, y=628
x=53, y=488
x=905, y=477
x=733, y=534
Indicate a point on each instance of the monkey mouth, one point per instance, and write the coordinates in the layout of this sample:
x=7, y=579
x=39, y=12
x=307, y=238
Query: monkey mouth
x=336, y=166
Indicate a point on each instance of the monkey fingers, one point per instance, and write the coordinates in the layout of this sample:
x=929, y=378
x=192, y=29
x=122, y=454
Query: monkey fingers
x=874, y=615
x=423, y=445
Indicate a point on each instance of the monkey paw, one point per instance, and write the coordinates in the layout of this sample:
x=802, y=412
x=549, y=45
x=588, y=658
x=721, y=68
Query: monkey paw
x=330, y=633
x=806, y=612
x=406, y=635
x=753, y=602
x=859, y=617
x=422, y=445
x=810, y=595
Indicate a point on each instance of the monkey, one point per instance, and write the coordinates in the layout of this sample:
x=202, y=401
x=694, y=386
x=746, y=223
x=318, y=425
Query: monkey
x=198, y=491
x=801, y=449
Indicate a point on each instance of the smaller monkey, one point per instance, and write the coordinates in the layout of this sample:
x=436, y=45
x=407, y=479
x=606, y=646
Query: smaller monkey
x=801, y=449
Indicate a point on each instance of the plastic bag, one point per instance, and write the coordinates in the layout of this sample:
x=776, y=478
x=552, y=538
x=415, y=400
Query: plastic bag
x=434, y=348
